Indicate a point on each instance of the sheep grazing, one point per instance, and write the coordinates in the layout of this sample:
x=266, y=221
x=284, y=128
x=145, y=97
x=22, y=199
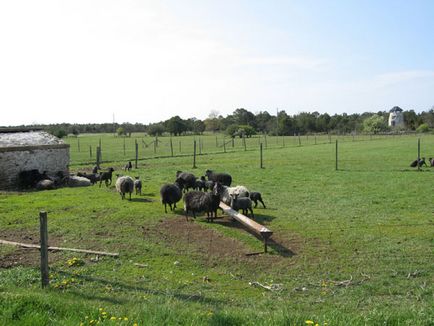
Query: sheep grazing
x=243, y=203
x=240, y=191
x=186, y=179
x=95, y=169
x=138, y=186
x=209, y=185
x=128, y=166
x=170, y=195
x=223, y=178
x=106, y=177
x=197, y=201
x=255, y=197
x=418, y=162
x=125, y=184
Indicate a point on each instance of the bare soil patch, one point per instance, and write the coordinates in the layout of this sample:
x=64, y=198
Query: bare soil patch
x=25, y=256
x=213, y=248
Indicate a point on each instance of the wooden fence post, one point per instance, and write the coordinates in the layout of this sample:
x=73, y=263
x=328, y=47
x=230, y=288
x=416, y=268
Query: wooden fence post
x=299, y=140
x=44, y=248
x=137, y=152
x=216, y=142
x=224, y=145
x=418, y=154
x=233, y=142
x=98, y=156
x=124, y=147
x=180, y=146
x=100, y=143
x=261, y=161
x=90, y=151
x=244, y=142
x=194, y=155
x=78, y=144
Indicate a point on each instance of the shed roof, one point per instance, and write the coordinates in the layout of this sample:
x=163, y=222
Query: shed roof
x=396, y=109
x=29, y=138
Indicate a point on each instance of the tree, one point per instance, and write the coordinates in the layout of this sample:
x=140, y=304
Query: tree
x=374, y=124
x=156, y=129
x=175, y=125
x=232, y=130
x=423, y=128
x=120, y=131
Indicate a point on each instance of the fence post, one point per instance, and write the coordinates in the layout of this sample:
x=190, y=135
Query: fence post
x=124, y=146
x=244, y=142
x=78, y=144
x=330, y=138
x=224, y=145
x=180, y=146
x=233, y=142
x=137, y=152
x=299, y=140
x=90, y=151
x=171, y=147
x=100, y=143
x=260, y=151
x=194, y=155
x=155, y=147
x=98, y=156
x=44, y=248
x=216, y=142
x=336, y=154
x=418, y=154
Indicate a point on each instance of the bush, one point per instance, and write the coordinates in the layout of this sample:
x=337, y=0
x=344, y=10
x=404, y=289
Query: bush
x=422, y=128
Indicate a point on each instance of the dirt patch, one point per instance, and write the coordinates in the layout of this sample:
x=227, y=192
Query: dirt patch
x=25, y=256
x=213, y=248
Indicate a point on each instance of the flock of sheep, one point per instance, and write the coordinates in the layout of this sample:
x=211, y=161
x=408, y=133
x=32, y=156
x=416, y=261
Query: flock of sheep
x=200, y=195
x=200, y=200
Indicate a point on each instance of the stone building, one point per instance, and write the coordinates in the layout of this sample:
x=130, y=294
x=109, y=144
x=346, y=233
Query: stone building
x=396, y=117
x=25, y=149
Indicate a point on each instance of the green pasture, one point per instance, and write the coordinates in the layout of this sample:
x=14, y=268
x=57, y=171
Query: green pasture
x=350, y=247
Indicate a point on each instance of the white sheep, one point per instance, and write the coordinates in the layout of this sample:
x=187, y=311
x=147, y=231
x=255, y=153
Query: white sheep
x=240, y=191
x=75, y=181
x=125, y=184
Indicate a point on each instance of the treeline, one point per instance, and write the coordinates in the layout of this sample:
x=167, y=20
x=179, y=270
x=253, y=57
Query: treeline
x=245, y=123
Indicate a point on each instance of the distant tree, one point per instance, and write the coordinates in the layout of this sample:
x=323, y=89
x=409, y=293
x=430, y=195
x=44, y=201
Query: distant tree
x=156, y=129
x=198, y=126
x=175, y=125
x=245, y=130
x=120, y=131
x=75, y=131
x=375, y=124
x=423, y=128
x=59, y=132
x=232, y=130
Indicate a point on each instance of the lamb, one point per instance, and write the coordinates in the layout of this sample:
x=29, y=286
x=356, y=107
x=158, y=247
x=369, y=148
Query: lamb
x=255, y=197
x=243, y=203
x=95, y=169
x=106, y=177
x=197, y=201
x=128, y=166
x=170, y=195
x=241, y=191
x=200, y=184
x=124, y=184
x=224, y=178
x=138, y=186
x=188, y=180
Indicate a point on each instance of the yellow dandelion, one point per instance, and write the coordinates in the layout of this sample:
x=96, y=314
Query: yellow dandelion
x=113, y=318
x=309, y=322
x=135, y=324
x=125, y=318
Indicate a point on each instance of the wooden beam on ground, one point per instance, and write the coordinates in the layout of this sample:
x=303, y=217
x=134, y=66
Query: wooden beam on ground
x=33, y=246
x=249, y=223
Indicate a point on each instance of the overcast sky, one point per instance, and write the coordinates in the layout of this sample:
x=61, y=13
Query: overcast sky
x=146, y=61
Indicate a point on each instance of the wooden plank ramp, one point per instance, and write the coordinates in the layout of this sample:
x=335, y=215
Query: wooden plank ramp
x=34, y=246
x=249, y=223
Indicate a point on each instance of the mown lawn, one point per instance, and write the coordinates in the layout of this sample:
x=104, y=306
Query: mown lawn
x=350, y=247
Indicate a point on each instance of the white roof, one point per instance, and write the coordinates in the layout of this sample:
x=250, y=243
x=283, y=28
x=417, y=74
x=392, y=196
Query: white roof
x=30, y=138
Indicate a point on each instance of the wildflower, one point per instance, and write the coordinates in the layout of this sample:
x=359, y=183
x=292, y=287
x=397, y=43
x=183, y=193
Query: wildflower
x=125, y=318
x=309, y=322
x=135, y=324
x=112, y=318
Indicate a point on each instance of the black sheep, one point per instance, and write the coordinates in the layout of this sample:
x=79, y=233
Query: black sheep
x=106, y=177
x=197, y=201
x=170, y=195
x=188, y=180
x=255, y=197
x=128, y=166
x=223, y=178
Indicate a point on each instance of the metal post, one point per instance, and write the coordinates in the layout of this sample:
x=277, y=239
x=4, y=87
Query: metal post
x=194, y=155
x=124, y=147
x=78, y=144
x=260, y=150
x=233, y=142
x=336, y=154
x=171, y=147
x=299, y=140
x=418, y=154
x=44, y=248
x=137, y=152
x=90, y=151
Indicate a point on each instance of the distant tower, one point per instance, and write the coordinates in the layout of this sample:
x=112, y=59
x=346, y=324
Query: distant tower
x=396, y=117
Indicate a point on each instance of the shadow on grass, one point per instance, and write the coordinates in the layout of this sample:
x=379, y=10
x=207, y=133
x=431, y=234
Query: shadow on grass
x=128, y=287
x=142, y=200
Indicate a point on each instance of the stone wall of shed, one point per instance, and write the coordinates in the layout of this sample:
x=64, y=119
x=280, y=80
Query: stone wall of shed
x=12, y=163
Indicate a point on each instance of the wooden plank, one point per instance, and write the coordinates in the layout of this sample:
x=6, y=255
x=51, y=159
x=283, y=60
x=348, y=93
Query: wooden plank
x=27, y=245
x=254, y=226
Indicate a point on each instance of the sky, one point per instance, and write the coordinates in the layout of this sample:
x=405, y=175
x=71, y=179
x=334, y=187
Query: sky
x=85, y=61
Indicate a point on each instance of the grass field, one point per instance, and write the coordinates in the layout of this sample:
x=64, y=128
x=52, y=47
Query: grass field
x=350, y=247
